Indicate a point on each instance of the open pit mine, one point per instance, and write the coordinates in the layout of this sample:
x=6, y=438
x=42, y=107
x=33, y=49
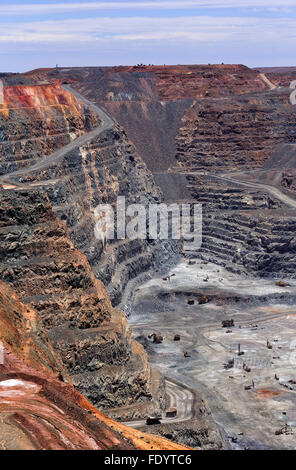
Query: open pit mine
x=139, y=342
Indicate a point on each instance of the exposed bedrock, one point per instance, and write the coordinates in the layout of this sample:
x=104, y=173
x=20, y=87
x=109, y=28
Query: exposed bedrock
x=39, y=407
x=163, y=83
x=97, y=173
x=150, y=101
x=152, y=126
x=233, y=119
x=235, y=133
x=93, y=339
x=280, y=76
x=248, y=127
x=36, y=120
x=245, y=230
x=38, y=411
x=198, y=81
x=279, y=170
x=41, y=262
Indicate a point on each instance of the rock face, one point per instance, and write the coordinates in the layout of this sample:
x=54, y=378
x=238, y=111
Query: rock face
x=100, y=171
x=280, y=169
x=234, y=133
x=235, y=121
x=178, y=127
x=198, y=81
x=39, y=260
x=93, y=338
x=245, y=230
x=36, y=120
x=232, y=102
x=280, y=76
x=166, y=82
x=39, y=408
x=150, y=101
x=152, y=126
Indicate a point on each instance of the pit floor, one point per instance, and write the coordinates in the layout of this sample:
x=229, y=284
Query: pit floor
x=261, y=312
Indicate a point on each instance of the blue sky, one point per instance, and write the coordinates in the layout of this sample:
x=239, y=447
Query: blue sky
x=38, y=33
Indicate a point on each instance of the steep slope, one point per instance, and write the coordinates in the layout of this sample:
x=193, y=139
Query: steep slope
x=231, y=102
x=239, y=132
x=36, y=120
x=152, y=126
x=37, y=410
x=97, y=172
x=39, y=260
x=146, y=83
x=149, y=101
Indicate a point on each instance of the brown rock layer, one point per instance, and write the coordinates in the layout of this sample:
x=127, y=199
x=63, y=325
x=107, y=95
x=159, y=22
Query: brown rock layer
x=36, y=120
x=106, y=167
x=234, y=133
x=39, y=260
x=37, y=410
x=149, y=101
x=175, y=82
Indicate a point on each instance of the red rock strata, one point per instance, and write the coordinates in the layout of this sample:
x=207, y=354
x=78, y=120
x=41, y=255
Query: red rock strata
x=36, y=120
x=39, y=407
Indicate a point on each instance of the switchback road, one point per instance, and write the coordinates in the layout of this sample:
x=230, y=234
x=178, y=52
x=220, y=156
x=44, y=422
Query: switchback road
x=106, y=123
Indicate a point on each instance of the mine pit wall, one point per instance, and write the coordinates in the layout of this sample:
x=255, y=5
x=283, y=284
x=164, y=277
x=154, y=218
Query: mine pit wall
x=152, y=126
x=161, y=83
x=37, y=120
x=149, y=102
x=97, y=173
x=245, y=230
x=233, y=103
x=280, y=76
x=93, y=339
x=248, y=129
x=107, y=366
x=42, y=410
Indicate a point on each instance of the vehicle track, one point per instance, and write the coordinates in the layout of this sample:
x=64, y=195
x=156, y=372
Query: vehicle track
x=180, y=398
x=277, y=193
x=52, y=159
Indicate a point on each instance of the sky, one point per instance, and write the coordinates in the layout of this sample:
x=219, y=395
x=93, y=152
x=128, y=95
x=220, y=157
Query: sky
x=38, y=33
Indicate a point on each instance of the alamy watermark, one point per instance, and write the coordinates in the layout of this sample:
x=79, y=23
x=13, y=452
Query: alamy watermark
x=153, y=221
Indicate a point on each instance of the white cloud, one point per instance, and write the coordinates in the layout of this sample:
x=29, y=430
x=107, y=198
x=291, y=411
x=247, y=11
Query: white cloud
x=46, y=8
x=193, y=28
